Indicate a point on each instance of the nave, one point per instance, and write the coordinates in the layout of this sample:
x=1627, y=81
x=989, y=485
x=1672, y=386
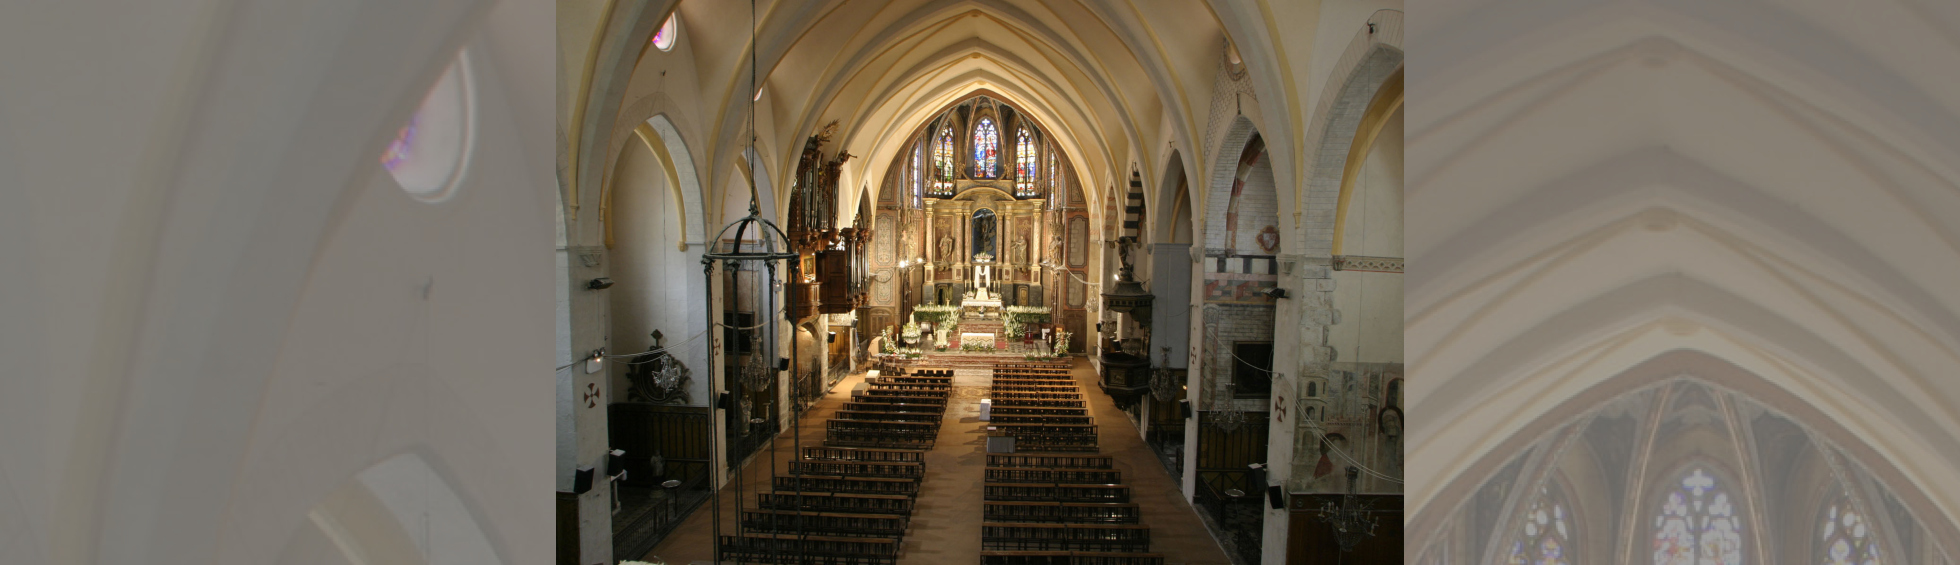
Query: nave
x=950, y=511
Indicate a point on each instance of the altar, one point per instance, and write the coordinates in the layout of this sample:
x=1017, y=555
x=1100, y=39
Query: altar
x=979, y=303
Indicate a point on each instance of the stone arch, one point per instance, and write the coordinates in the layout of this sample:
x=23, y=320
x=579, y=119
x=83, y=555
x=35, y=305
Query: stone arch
x=689, y=191
x=1367, y=64
x=1174, y=203
x=1748, y=396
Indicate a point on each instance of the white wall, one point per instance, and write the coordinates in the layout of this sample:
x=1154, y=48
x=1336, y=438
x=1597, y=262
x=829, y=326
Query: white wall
x=1370, y=330
x=656, y=284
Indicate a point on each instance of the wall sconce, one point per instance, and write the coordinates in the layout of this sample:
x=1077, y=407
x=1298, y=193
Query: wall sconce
x=600, y=283
x=597, y=362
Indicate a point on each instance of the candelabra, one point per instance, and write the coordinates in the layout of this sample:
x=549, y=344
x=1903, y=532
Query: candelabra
x=1230, y=417
x=1163, y=381
x=1350, y=519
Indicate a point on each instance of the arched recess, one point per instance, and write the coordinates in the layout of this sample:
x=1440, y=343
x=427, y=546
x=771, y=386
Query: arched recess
x=1351, y=112
x=655, y=284
x=1653, y=425
x=673, y=150
x=1241, y=245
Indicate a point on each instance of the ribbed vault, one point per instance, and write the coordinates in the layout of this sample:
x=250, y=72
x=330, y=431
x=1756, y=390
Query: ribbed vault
x=1771, y=186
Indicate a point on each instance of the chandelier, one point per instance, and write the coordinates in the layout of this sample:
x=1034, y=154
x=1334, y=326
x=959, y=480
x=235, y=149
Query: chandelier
x=755, y=374
x=1163, y=381
x=1351, y=519
x=1229, y=418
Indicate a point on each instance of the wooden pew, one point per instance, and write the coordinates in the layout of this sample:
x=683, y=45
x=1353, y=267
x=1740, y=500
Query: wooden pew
x=786, y=549
x=1068, y=558
x=1063, y=512
x=895, y=407
x=857, y=485
x=1053, y=475
x=811, y=501
x=1051, y=461
x=1124, y=538
x=1017, y=419
x=1011, y=492
x=891, y=416
x=825, y=523
x=890, y=470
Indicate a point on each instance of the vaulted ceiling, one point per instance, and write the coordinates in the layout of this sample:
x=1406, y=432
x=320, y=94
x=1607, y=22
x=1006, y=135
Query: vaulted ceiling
x=1116, y=81
x=1595, y=184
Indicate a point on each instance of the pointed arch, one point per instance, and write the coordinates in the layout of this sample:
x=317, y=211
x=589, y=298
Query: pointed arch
x=986, y=148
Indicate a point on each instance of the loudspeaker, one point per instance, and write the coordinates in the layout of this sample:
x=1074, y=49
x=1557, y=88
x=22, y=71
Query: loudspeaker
x=615, y=462
x=782, y=363
x=582, y=480
x=1185, y=407
x=1276, y=496
x=726, y=402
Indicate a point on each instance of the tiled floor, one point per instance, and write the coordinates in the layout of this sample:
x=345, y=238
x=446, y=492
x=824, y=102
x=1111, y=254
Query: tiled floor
x=945, y=527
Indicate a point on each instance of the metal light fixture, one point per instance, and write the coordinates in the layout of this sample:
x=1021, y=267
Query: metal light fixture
x=1229, y=418
x=1351, y=519
x=1163, y=381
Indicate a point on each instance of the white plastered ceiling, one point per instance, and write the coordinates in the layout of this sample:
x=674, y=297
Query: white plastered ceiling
x=1596, y=184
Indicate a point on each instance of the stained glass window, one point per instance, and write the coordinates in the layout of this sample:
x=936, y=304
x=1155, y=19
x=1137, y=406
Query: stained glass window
x=1698, y=524
x=918, y=175
x=1025, y=163
x=1055, y=181
x=942, y=163
x=1546, y=535
x=1846, y=538
x=986, y=148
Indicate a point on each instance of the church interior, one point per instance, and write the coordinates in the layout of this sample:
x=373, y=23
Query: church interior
x=1028, y=282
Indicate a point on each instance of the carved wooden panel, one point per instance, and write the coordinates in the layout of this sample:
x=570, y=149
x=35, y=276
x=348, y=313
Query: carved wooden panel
x=1078, y=241
x=883, y=240
x=881, y=287
x=1076, y=293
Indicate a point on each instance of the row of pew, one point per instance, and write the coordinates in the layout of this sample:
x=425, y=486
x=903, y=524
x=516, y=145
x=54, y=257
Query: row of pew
x=1040, y=405
x=850, y=501
x=1047, y=503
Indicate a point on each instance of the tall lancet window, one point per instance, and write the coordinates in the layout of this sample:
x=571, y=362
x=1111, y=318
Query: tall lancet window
x=1846, y=537
x=918, y=175
x=1026, y=159
x=1055, y=181
x=1546, y=533
x=1698, y=524
x=942, y=163
x=986, y=149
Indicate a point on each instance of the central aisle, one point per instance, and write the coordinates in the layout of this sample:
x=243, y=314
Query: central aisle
x=946, y=519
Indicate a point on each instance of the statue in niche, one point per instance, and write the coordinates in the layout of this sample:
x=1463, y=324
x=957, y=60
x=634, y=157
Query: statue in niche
x=984, y=232
x=1391, y=432
x=945, y=247
x=1021, y=251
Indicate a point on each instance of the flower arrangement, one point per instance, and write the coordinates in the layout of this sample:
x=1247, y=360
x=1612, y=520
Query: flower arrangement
x=1061, y=343
x=911, y=332
x=1014, y=319
x=886, y=344
x=976, y=343
x=937, y=314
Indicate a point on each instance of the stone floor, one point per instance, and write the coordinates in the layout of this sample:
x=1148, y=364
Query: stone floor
x=945, y=528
